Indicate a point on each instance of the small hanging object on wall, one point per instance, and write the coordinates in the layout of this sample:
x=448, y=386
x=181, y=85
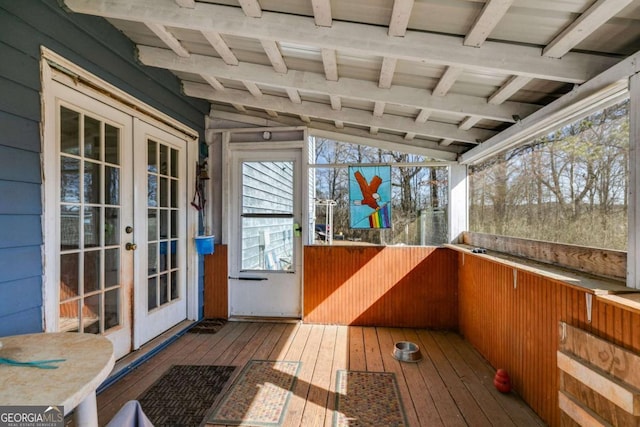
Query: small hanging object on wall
x=204, y=243
x=502, y=382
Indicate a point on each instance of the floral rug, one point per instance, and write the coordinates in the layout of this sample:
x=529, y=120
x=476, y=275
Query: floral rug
x=259, y=396
x=368, y=399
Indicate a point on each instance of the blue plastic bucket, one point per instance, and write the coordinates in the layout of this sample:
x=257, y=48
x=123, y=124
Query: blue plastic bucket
x=204, y=244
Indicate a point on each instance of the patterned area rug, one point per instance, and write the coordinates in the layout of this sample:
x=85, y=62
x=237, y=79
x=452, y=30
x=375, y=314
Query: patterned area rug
x=368, y=399
x=207, y=326
x=184, y=394
x=260, y=395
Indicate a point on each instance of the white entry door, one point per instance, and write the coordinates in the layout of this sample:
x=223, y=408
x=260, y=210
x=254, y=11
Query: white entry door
x=265, y=241
x=116, y=199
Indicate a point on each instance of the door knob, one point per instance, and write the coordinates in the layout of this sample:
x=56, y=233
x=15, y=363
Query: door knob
x=131, y=246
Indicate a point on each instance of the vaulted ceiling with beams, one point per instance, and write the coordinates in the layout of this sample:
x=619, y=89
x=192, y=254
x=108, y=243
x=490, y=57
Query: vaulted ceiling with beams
x=442, y=75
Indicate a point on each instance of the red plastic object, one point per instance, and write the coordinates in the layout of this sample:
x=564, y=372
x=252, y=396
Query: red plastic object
x=502, y=381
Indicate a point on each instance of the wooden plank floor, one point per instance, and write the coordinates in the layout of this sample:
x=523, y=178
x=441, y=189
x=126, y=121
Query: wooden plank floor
x=451, y=386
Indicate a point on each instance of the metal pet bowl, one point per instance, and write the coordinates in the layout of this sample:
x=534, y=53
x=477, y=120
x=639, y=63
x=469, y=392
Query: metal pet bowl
x=406, y=351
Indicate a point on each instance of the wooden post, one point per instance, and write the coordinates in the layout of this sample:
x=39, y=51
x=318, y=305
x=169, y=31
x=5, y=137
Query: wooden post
x=458, y=202
x=633, y=249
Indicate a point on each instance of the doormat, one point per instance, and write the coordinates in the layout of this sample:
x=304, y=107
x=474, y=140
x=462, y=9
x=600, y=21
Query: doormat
x=368, y=399
x=260, y=395
x=184, y=394
x=207, y=326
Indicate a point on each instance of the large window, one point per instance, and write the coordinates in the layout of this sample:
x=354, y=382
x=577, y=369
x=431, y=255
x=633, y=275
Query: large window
x=419, y=196
x=568, y=186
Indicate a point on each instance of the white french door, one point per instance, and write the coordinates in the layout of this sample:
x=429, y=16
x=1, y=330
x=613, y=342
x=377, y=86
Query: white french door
x=116, y=221
x=160, y=173
x=265, y=242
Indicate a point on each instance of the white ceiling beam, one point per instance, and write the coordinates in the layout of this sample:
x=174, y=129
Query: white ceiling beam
x=322, y=12
x=347, y=88
x=446, y=142
x=400, y=17
x=447, y=80
x=352, y=135
x=190, y=4
x=336, y=102
x=423, y=116
x=339, y=124
x=215, y=39
x=239, y=108
x=271, y=113
x=251, y=8
x=252, y=88
x=373, y=130
x=273, y=52
x=213, y=82
x=378, y=109
x=469, y=122
x=294, y=96
x=168, y=38
x=330, y=64
x=513, y=85
x=305, y=119
x=491, y=14
x=409, y=136
x=325, y=112
x=358, y=39
x=599, y=13
x=609, y=86
x=387, y=70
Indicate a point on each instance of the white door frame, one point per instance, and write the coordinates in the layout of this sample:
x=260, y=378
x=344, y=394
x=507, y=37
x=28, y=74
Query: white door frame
x=90, y=85
x=230, y=177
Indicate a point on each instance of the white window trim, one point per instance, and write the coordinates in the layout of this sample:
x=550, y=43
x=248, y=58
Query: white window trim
x=91, y=85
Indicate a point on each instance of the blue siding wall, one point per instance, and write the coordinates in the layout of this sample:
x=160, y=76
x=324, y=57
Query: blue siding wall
x=98, y=47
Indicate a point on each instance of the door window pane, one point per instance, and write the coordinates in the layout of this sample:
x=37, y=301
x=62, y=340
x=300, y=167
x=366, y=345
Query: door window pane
x=87, y=225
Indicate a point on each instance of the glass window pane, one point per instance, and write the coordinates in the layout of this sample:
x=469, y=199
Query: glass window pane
x=152, y=156
x=164, y=159
x=174, y=224
x=111, y=226
x=111, y=144
x=152, y=191
x=164, y=255
x=174, y=286
x=91, y=271
x=152, y=224
x=69, y=283
x=174, y=163
x=91, y=182
x=91, y=314
x=111, y=185
x=111, y=267
x=174, y=254
x=164, y=224
x=92, y=130
x=152, y=293
x=69, y=320
x=92, y=227
x=152, y=258
x=164, y=289
x=69, y=180
x=174, y=193
x=164, y=192
x=69, y=131
x=267, y=244
x=267, y=187
x=111, y=308
x=69, y=227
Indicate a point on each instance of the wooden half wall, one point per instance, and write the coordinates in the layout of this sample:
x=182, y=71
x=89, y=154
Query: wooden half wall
x=407, y=286
x=511, y=316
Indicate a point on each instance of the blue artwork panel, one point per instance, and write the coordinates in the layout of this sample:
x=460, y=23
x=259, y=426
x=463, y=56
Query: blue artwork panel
x=369, y=197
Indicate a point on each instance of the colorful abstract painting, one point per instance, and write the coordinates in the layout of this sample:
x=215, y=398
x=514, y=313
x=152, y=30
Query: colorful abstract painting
x=370, y=197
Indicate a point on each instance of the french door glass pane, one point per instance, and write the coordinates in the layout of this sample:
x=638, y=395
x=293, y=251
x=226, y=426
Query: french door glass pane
x=89, y=223
x=163, y=178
